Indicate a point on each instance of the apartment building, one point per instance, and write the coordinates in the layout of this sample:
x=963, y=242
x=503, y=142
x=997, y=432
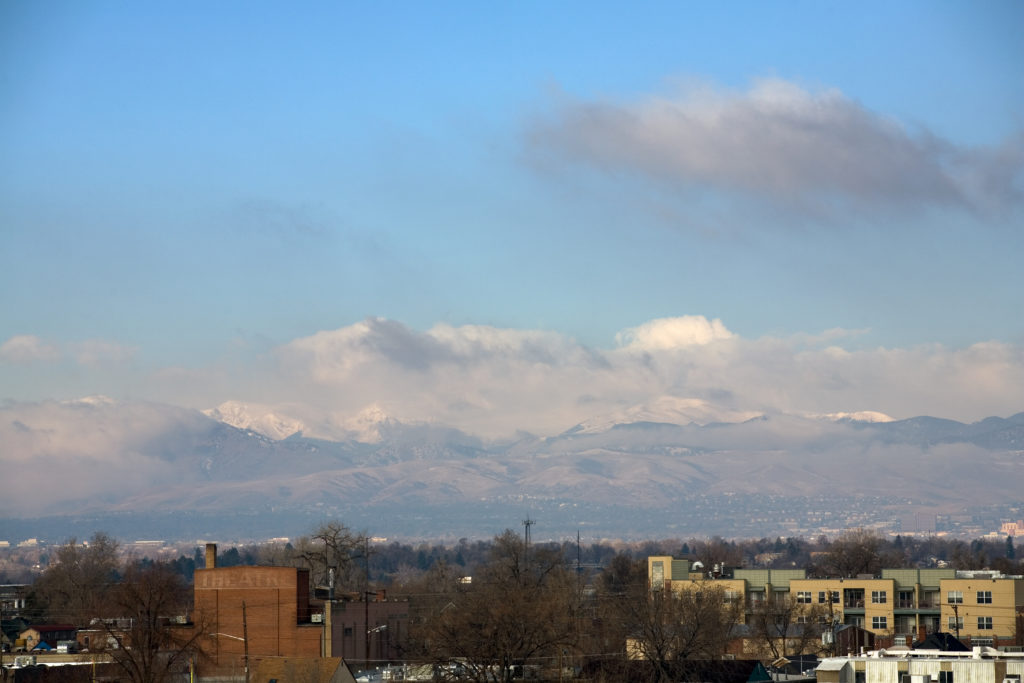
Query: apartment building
x=982, y=608
x=902, y=604
x=985, y=607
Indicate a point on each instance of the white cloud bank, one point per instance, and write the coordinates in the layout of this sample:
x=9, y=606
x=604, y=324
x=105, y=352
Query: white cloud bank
x=493, y=382
x=26, y=348
x=353, y=381
x=785, y=144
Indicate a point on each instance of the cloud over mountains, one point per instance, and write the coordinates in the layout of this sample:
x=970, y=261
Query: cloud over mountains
x=378, y=413
x=495, y=382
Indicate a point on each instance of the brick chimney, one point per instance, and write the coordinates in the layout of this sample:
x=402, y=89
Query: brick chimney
x=211, y=555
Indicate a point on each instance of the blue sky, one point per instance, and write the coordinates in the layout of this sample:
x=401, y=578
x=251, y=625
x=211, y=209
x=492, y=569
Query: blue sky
x=192, y=187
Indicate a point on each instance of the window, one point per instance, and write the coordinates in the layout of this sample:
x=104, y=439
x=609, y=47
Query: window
x=821, y=597
x=945, y=677
x=880, y=622
x=731, y=596
x=984, y=597
x=878, y=597
x=956, y=623
x=803, y=597
x=983, y=642
x=899, y=641
x=955, y=597
x=984, y=623
x=802, y=619
x=835, y=597
x=905, y=599
x=657, y=575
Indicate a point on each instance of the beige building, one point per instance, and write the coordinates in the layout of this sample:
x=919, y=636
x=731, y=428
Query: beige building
x=986, y=607
x=982, y=608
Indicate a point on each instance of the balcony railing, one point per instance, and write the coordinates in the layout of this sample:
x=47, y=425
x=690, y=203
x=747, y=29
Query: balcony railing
x=854, y=604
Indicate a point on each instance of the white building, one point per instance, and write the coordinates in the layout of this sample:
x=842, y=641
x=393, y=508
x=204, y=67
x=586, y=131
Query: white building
x=982, y=665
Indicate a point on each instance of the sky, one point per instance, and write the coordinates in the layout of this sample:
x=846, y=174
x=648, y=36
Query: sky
x=509, y=216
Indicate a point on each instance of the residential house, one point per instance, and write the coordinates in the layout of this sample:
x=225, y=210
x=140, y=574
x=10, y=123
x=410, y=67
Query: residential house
x=46, y=636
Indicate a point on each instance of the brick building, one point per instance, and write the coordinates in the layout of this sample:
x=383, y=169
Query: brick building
x=265, y=610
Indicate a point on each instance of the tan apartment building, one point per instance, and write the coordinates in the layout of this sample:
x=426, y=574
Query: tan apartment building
x=902, y=604
x=899, y=607
x=985, y=607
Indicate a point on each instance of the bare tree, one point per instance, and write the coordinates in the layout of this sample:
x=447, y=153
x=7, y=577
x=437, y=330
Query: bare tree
x=144, y=631
x=855, y=552
x=717, y=551
x=518, y=611
x=79, y=579
x=672, y=627
x=781, y=627
x=332, y=546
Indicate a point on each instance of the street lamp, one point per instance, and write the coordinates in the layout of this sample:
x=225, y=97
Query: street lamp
x=245, y=642
x=366, y=624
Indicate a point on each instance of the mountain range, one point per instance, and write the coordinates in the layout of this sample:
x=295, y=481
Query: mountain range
x=669, y=467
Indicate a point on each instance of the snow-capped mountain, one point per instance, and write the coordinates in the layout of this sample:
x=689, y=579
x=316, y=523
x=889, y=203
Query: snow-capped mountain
x=668, y=454
x=257, y=418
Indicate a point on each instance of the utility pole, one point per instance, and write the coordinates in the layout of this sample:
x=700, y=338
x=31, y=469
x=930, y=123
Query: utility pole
x=327, y=634
x=527, y=523
x=245, y=641
x=366, y=601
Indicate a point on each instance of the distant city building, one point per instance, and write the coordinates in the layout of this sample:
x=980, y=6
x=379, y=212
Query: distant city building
x=1012, y=528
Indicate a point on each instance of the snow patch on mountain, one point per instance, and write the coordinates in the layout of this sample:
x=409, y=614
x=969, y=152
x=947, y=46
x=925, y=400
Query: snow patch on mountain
x=858, y=416
x=667, y=410
x=96, y=400
x=368, y=426
x=256, y=418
